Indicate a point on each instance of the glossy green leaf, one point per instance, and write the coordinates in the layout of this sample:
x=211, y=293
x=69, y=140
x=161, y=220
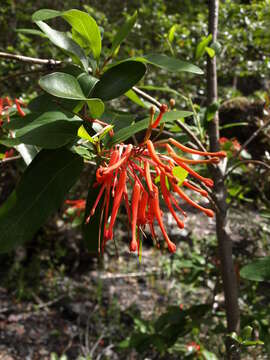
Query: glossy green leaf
x=200, y=49
x=45, y=14
x=62, y=85
x=127, y=132
x=119, y=79
x=96, y=107
x=123, y=32
x=61, y=40
x=49, y=130
x=87, y=83
x=39, y=193
x=171, y=64
x=87, y=27
x=258, y=270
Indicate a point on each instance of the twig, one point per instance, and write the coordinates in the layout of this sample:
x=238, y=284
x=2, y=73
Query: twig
x=191, y=135
x=147, y=96
x=252, y=137
x=30, y=60
x=257, y=162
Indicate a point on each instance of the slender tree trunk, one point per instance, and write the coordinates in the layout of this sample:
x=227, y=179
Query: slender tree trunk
x=229, y=278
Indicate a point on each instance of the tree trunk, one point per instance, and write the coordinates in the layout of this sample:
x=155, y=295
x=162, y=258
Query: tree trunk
x=228, y=274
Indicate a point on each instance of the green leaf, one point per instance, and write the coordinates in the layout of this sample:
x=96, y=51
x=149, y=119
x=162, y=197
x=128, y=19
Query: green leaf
x=45, y=14
x=258, y=270
x=171, y=64
x=127, y=132
x=123, y=32
x=49, y=130
x=180, y=173
x=118, y=119
x=87, y=83
x=62, y=85
x=211, y=52
x=9, y=142
x=171, y=32
x=87, y=27
x=96, y=107
x=39, y=193
x=83, y=134
x=61, y=40
x=135, y=98
x=119, y=79
x=200, y=49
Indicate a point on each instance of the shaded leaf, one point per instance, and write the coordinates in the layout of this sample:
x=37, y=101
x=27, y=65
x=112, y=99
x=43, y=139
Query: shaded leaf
x=119, y=79
x=49, y=130
x=39, y=193
x=258, y=270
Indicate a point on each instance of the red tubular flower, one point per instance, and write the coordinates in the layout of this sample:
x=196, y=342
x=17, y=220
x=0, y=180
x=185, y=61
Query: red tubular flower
x=18, y=105
x=117, y=201
x=139, y=168
x=134, y=210
x=162, y=110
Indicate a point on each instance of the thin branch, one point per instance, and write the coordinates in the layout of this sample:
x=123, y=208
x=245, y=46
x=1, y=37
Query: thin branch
x=146, y=96
x=257, y=162
x=191, y=135
x=252, y=137
x=30, y=60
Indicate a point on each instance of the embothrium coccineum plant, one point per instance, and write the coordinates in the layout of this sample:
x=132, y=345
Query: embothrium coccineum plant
x=147, y=169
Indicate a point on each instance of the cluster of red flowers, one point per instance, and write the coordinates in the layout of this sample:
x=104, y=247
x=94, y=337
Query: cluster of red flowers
x=232, y=145
x=142, y=168
x=5, y=105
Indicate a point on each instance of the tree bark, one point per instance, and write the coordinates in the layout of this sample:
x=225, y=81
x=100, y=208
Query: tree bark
x=229, y=279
